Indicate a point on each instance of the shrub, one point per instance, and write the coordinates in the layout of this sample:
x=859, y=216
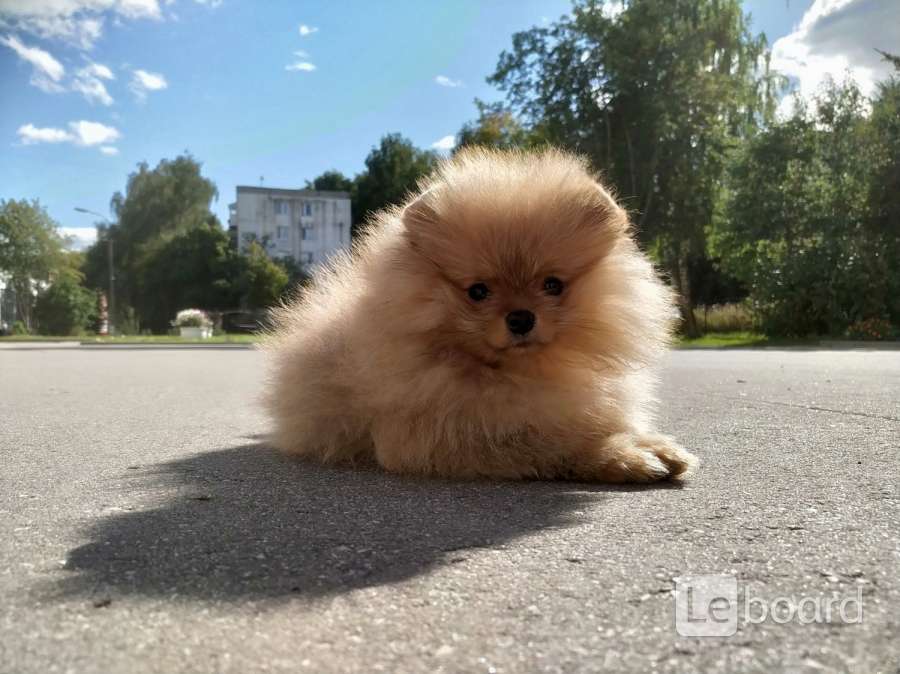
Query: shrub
x=127, y=322
x=724, y=318
x=871, y=329
x=192, y=318
x=65, y=308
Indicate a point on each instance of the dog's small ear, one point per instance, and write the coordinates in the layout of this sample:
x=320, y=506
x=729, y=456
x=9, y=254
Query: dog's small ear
x=420, y=220
x=420, y=213
x=606, y=210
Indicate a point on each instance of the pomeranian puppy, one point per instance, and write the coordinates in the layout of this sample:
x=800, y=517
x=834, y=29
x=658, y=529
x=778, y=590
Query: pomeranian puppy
x=500, y=324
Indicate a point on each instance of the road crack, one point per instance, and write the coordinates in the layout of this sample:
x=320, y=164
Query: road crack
x=816, y=408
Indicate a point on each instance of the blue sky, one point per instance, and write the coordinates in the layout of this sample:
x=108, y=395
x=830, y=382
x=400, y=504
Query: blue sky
x=283, y=90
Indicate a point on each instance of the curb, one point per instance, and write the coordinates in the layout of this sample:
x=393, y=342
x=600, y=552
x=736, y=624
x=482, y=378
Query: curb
x=150, y=346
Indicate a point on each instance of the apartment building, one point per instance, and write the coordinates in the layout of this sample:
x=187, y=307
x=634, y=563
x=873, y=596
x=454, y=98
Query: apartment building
x=308, y=225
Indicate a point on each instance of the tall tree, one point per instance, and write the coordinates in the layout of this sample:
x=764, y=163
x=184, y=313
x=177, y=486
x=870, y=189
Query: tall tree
x=811, y=220
x=331, y=180
x=496, y=126
x=170, y=199
x=392, y=171
x=31, y=251
x=195, y=268
x=656, y=93
x=261, y=282
x=884, y=189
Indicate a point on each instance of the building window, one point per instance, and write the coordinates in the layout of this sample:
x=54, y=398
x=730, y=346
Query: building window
x=306, y=258
x=281, y=232
x=341, y=231
x=281, y=207
x=308, y=233
x=307, y=208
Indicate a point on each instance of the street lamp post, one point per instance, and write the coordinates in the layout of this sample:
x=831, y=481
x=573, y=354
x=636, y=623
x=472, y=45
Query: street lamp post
x=111, y=305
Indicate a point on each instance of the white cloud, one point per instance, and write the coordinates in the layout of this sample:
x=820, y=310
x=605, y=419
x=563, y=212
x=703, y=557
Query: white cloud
x=138, y=9
x=93, y=133
x=45, y=84
x=299, y=53
x=88, y=83
x=445, y=81
x=99, y=70
x=836, y=38
x=46, y=71
x=80, y=32
x=109, y=150
x=79, y=237
x=143, y=82
x=307, y=30
x=82, y=133
x=92, y=89
x=78, y=22
x=31, y=134
x=150, y=81
x=209, y=3
x=444, y=144
x=302, y=66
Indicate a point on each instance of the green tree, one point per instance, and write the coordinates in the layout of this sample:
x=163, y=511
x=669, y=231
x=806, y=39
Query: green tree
x=808, y=227
x=497, y=127
x=657, y=95
x=332, y=181
x=261, y=282
x=392, y=171
x=65, y=308
x=158, y=203
x=296, y=272
x=883, y=196
x=196, y=268
x=32, y=251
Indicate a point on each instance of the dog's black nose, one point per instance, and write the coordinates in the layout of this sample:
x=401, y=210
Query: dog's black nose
x=520, y=321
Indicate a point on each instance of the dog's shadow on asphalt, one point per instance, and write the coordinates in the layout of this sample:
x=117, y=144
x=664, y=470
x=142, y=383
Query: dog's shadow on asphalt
x=245, y=523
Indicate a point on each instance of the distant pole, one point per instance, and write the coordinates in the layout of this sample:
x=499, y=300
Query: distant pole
x=111, y=304
x=112, y=286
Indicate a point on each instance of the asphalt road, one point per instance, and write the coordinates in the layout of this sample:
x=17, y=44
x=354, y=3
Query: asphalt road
x=144, y=527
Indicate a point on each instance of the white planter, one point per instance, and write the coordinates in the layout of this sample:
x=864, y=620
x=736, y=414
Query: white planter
x=196, y=333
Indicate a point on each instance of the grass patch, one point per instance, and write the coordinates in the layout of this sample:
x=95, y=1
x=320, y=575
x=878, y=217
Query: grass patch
x=729, y=318
x=137, y=339
x=714, y=340
x=39, y=338
x=742, y=339
x=173, y=339
x=719, y=340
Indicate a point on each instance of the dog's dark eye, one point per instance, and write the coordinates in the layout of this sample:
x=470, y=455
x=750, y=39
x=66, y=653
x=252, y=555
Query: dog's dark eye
x=478, y=292
x=553, y=286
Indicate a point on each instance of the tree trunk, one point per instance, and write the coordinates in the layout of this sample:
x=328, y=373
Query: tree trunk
x=631, y=166
x=24, y=301
x=649, y=190
x=608, y=167
x=685, y=301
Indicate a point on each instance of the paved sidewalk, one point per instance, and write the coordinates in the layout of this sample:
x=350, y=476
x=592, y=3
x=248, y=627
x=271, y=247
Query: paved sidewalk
x=145, y=527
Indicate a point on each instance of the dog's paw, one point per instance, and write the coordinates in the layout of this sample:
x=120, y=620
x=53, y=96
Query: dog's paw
x=641, y=457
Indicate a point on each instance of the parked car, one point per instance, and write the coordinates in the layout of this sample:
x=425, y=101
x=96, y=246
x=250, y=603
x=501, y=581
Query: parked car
x=246, y=322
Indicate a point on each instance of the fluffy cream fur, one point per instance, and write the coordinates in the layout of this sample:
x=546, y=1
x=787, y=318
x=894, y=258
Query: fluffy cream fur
x=387, y=355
